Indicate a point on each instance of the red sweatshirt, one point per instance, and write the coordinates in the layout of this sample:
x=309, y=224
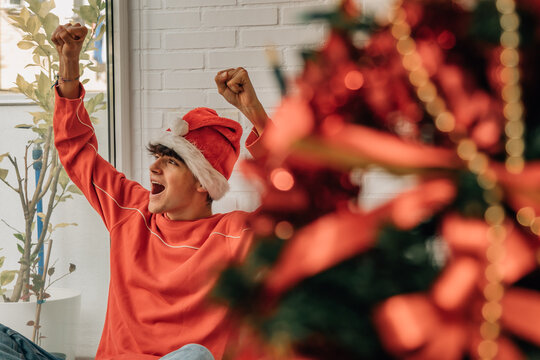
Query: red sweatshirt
x=161, y=270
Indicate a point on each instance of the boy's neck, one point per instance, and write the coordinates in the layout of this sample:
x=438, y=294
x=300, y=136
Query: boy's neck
x=190, y=214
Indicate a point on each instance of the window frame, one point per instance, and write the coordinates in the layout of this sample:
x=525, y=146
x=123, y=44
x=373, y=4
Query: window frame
x=118, y=55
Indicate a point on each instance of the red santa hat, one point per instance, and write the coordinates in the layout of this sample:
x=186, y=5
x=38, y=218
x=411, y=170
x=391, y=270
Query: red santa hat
x=208, y=144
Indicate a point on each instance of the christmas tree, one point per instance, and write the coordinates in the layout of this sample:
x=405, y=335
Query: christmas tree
x=444, y=90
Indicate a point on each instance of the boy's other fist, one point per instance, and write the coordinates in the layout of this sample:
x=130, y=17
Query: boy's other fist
x=235, y=86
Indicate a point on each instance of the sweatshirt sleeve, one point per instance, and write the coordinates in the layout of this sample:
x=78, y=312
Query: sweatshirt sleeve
x=107, y=190
x=255, y=145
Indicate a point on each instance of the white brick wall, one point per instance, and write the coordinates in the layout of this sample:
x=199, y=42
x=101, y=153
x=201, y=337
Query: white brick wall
x=179, y=45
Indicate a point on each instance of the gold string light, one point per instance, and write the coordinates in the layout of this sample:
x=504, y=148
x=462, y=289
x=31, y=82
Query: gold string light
x=513, y=105
x=511, y=89
x=477, y=162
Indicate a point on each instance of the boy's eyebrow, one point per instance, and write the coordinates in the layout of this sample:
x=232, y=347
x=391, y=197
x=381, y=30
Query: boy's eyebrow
x=170, y=156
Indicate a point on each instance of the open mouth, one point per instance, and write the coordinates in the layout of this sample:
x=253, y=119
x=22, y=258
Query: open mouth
x=157, y=188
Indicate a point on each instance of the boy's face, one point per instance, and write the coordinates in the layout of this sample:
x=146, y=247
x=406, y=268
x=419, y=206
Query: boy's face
x=174, y=188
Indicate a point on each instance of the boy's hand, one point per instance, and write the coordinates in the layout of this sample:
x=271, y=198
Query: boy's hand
x=69, y=40
x=235, y=86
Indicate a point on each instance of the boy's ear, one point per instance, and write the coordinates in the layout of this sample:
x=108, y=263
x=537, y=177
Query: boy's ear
x=201, y=188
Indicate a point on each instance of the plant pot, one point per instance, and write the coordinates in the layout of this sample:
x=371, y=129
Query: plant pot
x=59, y=320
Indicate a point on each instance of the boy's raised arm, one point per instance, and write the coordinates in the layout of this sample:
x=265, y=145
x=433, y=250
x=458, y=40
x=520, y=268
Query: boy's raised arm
x=106, y=189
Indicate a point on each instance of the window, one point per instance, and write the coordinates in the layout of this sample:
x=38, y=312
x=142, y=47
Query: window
x=16, y=108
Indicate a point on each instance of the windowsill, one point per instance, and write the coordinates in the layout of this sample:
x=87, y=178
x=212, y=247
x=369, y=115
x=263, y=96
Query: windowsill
x=8, y=98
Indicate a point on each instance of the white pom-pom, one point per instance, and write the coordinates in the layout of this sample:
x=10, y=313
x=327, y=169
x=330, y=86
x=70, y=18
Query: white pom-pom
x=179, y=127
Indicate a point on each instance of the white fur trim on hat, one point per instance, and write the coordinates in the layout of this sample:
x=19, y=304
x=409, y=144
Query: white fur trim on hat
x=212, y=180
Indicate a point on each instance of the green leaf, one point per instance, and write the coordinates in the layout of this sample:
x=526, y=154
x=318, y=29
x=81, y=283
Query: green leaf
x=19, y=236
x=23, y=126
x=25, y=45
x=93, y=4
x=88, y=14
x=2, y=261
x=63, y=198
x=74, y=189
x=90, y=105
x=44, y=86
x=99, y=97
x=20, y=81
x=63, y=178
x=40, y=51
x=50, y=272
x=50, y=23
x=7, y=276
x=63, y=225
x=34, y=5
x=93, y=102
x=3, y=173
x=39, y=38
x=39, y=131
x=24, y=14
x=24, y=86
x=33, y=25
x=38, y=115
x=45, y=9
x=49, y=50
x=20, y=248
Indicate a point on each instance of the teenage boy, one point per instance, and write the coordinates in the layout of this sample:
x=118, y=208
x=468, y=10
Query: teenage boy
x=166, y=246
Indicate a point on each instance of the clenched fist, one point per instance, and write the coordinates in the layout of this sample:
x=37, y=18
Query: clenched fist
x=69, y=40
x=235, y=86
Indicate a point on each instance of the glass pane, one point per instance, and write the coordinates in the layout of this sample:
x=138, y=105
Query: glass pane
x=15, y=61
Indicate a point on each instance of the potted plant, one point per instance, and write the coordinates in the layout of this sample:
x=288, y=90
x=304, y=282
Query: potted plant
x=52, y=185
